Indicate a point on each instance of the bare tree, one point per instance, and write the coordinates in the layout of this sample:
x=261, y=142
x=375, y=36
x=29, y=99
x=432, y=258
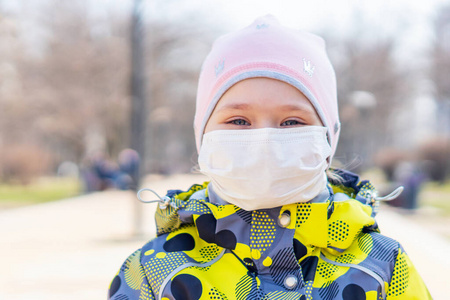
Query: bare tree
x=73, y=98
x=437, y=150
x=176, y=51
x=440, y=67
x=371, y=88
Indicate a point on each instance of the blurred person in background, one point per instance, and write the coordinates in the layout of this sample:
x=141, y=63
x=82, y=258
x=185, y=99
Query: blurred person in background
x=128, y=161
x=275, y=221
x=410, y=175
x=100, y=173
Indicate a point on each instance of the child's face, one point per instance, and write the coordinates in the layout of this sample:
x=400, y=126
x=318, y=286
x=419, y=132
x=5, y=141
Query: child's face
x=260, y=103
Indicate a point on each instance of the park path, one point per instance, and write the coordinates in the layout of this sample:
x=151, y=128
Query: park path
x=71, y=249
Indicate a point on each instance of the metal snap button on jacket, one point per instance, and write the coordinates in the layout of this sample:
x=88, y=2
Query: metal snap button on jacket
x=284, y=220
x=290, y=282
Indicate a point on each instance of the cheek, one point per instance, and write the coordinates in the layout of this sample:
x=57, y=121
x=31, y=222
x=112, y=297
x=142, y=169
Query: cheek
x=211, y=125
x=315, y=120
x=318, y=122
x=207, y=128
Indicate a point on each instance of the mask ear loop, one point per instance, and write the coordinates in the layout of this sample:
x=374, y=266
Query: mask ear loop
x=163, y=201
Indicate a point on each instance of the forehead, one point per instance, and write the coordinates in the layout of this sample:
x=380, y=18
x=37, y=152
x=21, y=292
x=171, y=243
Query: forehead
x=264, y=92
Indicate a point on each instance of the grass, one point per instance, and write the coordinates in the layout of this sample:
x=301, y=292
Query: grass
x=436, y=195
x=432, y=194
x=41, y=190
x=53, y=188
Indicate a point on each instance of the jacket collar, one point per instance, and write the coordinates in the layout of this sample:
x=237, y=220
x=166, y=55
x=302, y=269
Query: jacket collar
x=334, y=223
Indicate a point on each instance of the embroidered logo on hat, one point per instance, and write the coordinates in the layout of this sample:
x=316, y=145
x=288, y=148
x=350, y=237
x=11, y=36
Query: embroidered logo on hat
x=309, y=69
x=261, y=26
x=220, y=66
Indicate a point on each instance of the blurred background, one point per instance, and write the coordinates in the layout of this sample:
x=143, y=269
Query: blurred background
x=82, y=81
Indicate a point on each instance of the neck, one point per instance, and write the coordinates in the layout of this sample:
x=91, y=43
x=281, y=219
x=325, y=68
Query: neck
x=215, y=199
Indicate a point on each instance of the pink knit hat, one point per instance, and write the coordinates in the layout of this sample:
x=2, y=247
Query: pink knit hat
x=268, y=49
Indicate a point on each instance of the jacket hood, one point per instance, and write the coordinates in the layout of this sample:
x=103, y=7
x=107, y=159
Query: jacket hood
x=334, y=224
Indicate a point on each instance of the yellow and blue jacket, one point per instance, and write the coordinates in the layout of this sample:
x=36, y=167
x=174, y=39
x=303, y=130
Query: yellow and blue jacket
x=330, y=250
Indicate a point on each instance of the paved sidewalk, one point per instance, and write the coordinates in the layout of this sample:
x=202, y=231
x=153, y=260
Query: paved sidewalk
x=72, y=248
x=429, y=251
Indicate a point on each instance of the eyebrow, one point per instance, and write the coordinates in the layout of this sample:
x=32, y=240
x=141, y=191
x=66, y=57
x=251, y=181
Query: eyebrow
x=287, y=107
x=235, y=106
x=292, y=107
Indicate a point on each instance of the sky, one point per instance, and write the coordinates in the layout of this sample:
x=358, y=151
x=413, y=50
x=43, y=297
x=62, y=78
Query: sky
x=309, y=15
x=312, y=14
x=406, y=20
x=295, y=13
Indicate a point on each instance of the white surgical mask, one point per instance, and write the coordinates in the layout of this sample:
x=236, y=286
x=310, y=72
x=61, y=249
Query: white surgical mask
x=266, y=167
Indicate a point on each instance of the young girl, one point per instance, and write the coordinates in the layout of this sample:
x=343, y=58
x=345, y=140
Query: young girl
x=270, y=224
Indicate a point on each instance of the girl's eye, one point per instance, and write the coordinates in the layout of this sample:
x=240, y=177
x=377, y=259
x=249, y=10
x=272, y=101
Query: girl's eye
x=291, y=123
x=239, y=122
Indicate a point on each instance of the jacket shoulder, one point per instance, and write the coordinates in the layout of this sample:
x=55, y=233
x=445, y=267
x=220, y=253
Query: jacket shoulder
x=406, y=282
x=382, y=248
x=131, y=281
x=163, y=256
